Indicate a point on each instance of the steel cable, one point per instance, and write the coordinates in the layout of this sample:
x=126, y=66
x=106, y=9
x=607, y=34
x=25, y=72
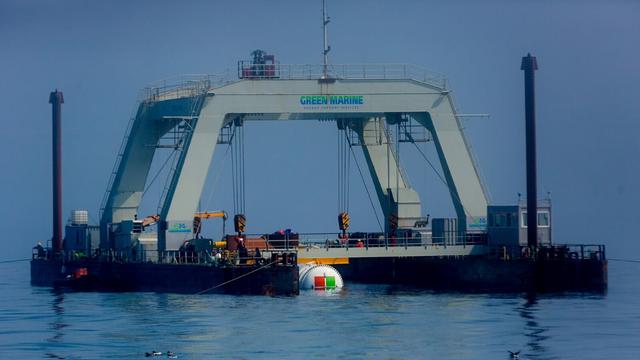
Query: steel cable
x=217, y=178
x=373, y=207
x=159, y=171
x=13, y=261
x=234, y=279
x=454, y=193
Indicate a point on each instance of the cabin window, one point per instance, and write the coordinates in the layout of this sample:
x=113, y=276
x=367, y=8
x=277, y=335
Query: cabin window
x=503, y=219
x=498, y=220
x=543, y=219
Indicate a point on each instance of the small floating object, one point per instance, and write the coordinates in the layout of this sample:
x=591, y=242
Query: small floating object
x=171, y=355
x=514, y=355
x=153, y=353
x=320, y=277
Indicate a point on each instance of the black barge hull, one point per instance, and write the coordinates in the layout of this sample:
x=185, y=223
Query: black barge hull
x=172, y=278
x=479, y=274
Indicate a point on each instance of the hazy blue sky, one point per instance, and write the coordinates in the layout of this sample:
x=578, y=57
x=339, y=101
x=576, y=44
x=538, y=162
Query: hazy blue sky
x=100, y=54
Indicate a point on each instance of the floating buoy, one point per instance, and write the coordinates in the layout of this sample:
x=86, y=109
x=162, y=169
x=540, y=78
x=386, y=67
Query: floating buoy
x=319, y=277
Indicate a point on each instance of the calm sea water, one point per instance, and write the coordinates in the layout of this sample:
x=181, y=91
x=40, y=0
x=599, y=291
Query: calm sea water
x=362, y=321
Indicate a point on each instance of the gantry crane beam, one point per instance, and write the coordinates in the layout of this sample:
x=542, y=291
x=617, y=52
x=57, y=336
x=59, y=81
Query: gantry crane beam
x=359, y=100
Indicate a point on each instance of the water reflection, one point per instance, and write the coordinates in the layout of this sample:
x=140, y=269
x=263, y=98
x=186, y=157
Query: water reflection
x=535, y=333
x=57, y=325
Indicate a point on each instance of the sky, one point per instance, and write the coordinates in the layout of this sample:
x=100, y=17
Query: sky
x=101, y=54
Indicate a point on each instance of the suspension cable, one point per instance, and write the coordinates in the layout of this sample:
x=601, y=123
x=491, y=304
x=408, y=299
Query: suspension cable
x=398, y=174
x=237, y=169
x=233, y=170
x=345, y=175
x=454, y=193
x=344, y=165
x=168, y=180
x=218, y=175
x=348, y=168
x=364, y=183
x=243, y=173
x=339, y=171
x=173, y=152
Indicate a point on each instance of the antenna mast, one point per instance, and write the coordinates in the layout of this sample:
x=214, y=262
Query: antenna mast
x=327, y=48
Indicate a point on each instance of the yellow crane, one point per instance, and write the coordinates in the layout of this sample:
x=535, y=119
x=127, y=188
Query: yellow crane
x=210, y=214
x=197, y=220
x=150, y=220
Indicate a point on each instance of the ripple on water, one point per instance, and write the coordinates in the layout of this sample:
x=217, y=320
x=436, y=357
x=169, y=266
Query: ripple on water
x=361, y=321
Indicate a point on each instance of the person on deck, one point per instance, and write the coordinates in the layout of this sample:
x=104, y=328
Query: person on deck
x=40, y=250
x=242, y=251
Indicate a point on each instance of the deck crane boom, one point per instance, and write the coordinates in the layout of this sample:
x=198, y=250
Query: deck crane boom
x=150, y=220
x=197, y=220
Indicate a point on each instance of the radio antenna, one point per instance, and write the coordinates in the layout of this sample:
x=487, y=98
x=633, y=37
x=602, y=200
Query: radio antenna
x=326, y=48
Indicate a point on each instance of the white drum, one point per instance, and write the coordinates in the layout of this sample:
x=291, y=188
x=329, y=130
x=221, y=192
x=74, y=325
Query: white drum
x=319, y=277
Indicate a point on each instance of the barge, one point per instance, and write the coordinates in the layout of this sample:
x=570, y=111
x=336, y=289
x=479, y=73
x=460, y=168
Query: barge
x=486, y=247
x=183, y=273
x=472, y=267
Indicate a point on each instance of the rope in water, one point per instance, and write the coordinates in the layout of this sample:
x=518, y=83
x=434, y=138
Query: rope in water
x=234, y=279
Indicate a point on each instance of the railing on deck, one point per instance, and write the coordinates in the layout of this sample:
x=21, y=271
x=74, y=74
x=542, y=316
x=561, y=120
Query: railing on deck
x=549, y=252
x=261, y=249
x=204, y=258
x=248, y=70
x=361, y=240
x=193, y=85
x=182, y=86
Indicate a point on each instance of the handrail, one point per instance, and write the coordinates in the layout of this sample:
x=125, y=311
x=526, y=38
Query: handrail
x=400, y=241
x=215, y=257
x=223, y=257
x=192, y=84
x=378, y=71
x=181, y=86
x=361, y=239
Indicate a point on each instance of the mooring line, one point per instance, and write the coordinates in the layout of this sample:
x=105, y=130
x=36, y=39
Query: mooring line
x=234, y=279
x=12, y=261
x=625, y=260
